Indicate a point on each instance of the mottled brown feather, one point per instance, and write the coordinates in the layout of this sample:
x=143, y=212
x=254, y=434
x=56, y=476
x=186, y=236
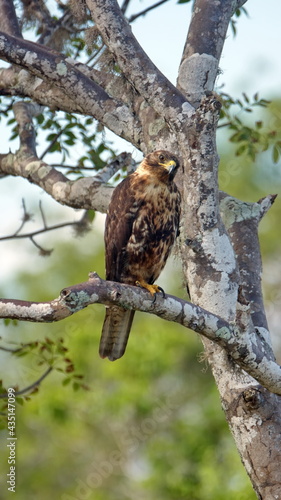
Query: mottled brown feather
x=115, y=332
x=141, y=227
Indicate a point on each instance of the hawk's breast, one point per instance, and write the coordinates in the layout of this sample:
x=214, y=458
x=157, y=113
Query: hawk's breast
x=153, y=233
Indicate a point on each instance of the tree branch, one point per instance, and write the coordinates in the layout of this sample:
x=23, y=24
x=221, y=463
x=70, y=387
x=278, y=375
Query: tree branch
x=107, y=172
x=241, y=220
x=238, y=4
x=247, y=350
x=199, y=65
x=90, y=98
x=134, y=62
x=145, y=11
x=8, y=19
x=80, y=225
x=83, y=193
x=87, y=193
x=24, y=113
x=31, y=386
x=209, y=260
x=16, y=82
x=125, y=5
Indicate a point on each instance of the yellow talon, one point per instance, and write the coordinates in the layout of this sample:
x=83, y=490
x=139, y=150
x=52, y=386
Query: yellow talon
x=153, y=289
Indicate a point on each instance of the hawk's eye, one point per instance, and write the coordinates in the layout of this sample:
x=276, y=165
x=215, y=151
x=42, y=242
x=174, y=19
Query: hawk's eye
x=161, y=157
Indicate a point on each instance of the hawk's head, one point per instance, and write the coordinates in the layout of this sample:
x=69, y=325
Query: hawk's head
x=160, y=164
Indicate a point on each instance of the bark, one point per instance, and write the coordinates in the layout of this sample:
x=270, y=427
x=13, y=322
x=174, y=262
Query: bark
x=88, y=192
x=244, y=350
x=215, y=274
x=90, y=98
x=134, y=62
x=8, y=20
x=218, y=244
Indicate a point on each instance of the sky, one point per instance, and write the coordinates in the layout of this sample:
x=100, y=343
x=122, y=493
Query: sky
x=250, y=62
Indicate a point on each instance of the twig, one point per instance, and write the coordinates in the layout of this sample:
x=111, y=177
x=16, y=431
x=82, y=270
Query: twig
x=8, y=349
x=26, y=217
x=224, y=125
x=51, y=144
x=72, y=167
x=17, y=349
x=125, y=5
x=39, y=231
x=93, y=59
x=43, y=251
x=31, y=386
x=124, y=159
x=42, y=214
x=143, y=12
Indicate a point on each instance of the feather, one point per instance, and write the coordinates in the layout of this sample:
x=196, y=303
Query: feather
x=115, y=332
x=141, y=227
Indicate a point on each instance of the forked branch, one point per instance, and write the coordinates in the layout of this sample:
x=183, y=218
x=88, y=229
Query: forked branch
x=247, y=349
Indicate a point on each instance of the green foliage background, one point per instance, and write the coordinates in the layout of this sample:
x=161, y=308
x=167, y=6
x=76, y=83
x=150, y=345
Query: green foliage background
x=150, y=425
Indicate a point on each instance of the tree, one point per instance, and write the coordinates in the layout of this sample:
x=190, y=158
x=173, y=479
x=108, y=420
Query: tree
x=218, y=244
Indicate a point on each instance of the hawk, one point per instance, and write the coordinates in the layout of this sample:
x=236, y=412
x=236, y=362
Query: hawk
x=141, y=226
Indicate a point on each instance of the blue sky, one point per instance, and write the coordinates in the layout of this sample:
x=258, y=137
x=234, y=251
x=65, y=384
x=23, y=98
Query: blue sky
x=250, y=61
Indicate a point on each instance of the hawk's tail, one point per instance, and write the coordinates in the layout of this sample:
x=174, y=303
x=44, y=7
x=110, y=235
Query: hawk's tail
x=115, y=332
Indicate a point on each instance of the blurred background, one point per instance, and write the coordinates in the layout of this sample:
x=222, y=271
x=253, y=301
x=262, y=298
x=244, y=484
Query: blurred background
x=149, y=426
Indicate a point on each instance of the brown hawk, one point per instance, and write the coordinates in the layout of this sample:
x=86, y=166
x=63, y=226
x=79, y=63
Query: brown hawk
x=141, y=226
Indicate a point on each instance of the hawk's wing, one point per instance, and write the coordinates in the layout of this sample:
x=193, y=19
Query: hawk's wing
x=122, y=212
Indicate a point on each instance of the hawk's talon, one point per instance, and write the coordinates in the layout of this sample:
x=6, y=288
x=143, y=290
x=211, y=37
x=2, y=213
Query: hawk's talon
x=162, y=291
x=152, y=289
x=154, y=298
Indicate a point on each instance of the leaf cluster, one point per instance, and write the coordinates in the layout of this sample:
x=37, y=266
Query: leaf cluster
x=233, y=22
x=249, y=139
x=64, y=134
x=47, y=355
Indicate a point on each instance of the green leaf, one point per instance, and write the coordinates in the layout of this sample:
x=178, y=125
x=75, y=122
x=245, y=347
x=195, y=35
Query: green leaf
x=21, y=354
x=252, y=152
x=239, y=151
x=66, y=381
x=91, y=215
x=275, y=154
x=55, y=147
x=51, y=137
x=40, y=119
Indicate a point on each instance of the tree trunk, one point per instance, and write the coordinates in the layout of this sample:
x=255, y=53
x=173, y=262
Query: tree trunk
x=218, y=244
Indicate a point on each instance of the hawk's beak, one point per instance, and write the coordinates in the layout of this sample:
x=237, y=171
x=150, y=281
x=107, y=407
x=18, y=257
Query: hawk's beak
x=172, y=167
